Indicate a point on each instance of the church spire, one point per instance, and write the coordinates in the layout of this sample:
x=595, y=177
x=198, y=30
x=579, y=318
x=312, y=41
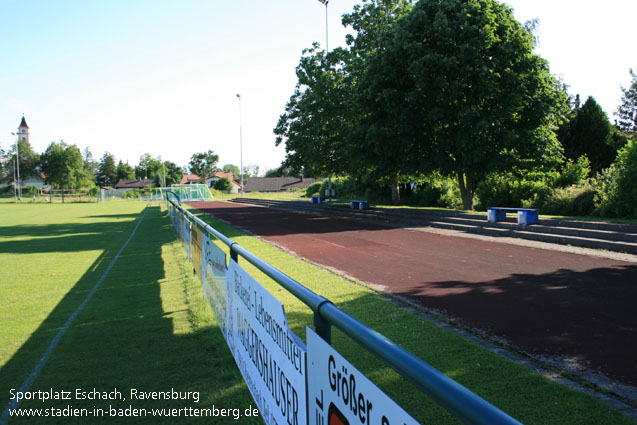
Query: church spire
x=23, y=130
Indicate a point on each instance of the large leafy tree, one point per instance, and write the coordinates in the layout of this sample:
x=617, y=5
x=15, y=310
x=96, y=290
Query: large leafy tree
x=627, y=111
x=174, y=173
x=589, y=132
x=64, y=167
x=106, y=171
x=318, y=117
x=203, y=164
x=460, y=83
x=148, y=166
x=322, y=116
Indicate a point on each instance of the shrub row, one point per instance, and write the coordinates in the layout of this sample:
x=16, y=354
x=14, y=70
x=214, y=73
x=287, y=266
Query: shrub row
x=569, y=191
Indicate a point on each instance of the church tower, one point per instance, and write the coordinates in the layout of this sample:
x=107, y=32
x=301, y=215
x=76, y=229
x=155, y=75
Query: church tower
x=23, y=130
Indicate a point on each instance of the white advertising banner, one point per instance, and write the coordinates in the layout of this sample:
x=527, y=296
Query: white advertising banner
x=213, y=278
x=186, y=236
x=339, y=394
x=270, y=356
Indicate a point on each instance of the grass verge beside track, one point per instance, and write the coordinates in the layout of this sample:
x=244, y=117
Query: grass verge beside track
x=146, y=328
x=519, y=391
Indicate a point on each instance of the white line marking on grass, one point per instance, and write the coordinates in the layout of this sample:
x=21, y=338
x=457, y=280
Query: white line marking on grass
x=13, y=404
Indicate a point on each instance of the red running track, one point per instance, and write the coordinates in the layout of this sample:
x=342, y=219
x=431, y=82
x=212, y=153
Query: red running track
x=545, y=303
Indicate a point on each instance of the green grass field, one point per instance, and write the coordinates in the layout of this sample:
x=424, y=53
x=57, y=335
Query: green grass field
x=148, y=326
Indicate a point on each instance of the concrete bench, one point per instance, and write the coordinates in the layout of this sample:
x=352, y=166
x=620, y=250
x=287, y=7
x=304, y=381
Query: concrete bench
x=359, y=205
x=525, y=215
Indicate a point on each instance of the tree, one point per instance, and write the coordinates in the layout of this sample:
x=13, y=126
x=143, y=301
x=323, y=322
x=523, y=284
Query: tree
x=317, y=118
x=106, y=171
x=28, y=159
x=4, y=161
x=617, y=195
x=203, y=164
x=148, y=166
x=251, y=170
x=174, y=173
x=322, y=115
x=283, y=171
x=64, y=167
x=231, y=168
x=90, y=165
x=459, y=83
x=627, y=111
x=589, y=132
x=125, y=171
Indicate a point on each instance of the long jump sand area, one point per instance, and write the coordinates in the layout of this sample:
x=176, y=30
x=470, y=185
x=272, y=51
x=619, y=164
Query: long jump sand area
x=558, y=306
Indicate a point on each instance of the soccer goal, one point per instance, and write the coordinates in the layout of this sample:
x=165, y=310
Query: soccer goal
x=69, y=195
x=187, y=192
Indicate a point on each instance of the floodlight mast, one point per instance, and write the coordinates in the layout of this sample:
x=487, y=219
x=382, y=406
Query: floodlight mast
x=240, y=145
x=327, y=49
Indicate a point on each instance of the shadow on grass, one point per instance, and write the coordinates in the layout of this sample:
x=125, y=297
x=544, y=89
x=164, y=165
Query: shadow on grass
x=98, y=231
x=112, y=216
x=135, y=333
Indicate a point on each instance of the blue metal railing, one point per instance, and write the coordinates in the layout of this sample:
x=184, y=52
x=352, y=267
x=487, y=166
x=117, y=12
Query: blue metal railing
x=170, y=192
x=461, y=402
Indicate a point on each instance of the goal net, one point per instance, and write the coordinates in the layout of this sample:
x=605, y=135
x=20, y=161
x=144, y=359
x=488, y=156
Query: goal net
x=187, y=192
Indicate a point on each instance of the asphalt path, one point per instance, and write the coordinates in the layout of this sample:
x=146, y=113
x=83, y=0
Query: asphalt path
x=563, y=307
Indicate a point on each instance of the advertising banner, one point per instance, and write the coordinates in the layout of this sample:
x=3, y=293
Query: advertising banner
x=339, y=394
x=270, y=356
x=196, y=249
x=186, y=236
x=213, y=278
x=180, y=225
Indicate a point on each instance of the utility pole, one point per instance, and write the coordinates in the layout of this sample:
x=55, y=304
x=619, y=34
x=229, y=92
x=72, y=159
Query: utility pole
x=17, y=156
x=15, y=185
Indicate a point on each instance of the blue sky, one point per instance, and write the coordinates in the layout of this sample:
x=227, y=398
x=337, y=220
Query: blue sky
x=131, y=77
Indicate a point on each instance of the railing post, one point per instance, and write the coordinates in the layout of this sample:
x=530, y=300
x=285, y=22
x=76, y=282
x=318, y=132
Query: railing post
x=322, y=326
x=233, y=253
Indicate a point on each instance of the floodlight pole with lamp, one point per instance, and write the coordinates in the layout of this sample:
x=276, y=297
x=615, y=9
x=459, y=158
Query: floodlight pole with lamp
x=327, y=49
x=17, y=155
x=240, y=145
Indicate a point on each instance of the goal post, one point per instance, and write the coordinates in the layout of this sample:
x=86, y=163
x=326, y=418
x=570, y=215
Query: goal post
x=187, y=192
x=69, y=195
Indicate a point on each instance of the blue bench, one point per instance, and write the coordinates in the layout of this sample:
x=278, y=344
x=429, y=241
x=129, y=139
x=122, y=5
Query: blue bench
x=359, y=205
x=525, y=215
x=317, y=199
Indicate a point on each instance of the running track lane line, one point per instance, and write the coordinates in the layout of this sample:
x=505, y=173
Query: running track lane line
x=13, y=404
